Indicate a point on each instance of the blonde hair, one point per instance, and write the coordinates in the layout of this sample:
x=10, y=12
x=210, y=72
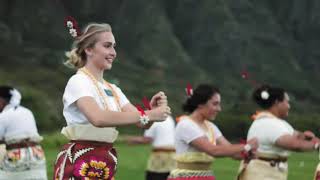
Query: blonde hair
x=77, y=57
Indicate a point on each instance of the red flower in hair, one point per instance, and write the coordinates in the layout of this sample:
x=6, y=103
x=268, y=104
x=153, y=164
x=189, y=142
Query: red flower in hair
x=244, y=74
x=72, y=25
x=189, y=90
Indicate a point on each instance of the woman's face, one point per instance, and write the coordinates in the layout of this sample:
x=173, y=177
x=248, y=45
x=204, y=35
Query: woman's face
x=212, y=107
x=284, y=107
x=103, y=53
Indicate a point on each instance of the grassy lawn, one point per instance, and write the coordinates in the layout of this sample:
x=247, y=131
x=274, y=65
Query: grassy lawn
x=133, y=159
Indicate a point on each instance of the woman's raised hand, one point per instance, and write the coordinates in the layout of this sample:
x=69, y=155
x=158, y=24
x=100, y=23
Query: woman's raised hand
x=253, y=143
x=159, y=99
x=159, y=113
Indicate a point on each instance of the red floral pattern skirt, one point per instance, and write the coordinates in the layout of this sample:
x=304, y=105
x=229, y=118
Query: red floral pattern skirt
x=86, y=160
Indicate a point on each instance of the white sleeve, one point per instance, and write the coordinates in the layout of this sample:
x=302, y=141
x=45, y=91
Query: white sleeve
x=187, y=131
x=2, y=127
x=275, y=131
x=151, y=132
x=78, y=86
x=216, y=131
x=122, y=98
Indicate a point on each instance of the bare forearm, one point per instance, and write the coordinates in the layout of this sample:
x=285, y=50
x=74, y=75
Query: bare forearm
x=303, y=146
x=226, y=150
x=139, y=140
x=112, y=118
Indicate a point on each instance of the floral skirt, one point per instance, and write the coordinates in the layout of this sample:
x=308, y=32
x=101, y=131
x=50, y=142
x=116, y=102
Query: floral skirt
x=86, y=160
x=26, y=163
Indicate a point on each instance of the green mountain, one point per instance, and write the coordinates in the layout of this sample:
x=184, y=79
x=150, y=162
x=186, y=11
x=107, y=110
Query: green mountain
x=163, y=45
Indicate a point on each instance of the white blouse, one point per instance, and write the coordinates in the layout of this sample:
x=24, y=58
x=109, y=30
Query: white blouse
x=267, y=130
x=162, y=133
x=17, y=123
x=187, y=131
x=80, y=85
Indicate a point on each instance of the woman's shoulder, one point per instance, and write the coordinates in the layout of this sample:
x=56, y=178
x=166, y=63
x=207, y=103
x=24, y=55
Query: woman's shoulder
x=78, y=78
x=268, y=122
x=212, y=124
x=185, y=122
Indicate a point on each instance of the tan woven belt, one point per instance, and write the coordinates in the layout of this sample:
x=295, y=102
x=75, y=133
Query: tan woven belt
x=194, y=165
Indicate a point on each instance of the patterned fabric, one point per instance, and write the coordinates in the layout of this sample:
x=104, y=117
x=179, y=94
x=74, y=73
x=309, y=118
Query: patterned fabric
x=263, y=170
x=24, y=163
x=186, y=174
x=182, y=174
x=86, y=160
x=161, y=162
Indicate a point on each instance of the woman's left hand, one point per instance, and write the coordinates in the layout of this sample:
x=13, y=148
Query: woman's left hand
x=159, y=99
x=308, y=135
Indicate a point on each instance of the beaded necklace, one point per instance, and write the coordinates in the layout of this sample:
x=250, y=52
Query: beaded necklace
x=211, y=134
x=103, y=96
x=210, y=129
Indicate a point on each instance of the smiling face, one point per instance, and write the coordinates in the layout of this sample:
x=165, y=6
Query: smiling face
x=103, y=53
x=213, y=106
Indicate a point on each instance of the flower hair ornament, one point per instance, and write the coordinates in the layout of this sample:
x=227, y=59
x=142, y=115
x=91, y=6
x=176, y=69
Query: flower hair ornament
x=246, y=76
x=189, y=90
x=15, y=97
x=265, y=95
x=72, y=25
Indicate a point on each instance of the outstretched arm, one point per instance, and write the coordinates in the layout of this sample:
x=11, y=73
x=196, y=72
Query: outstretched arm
x=138, y=140
x=296, y=143
x=106, y=118
x=224, y=150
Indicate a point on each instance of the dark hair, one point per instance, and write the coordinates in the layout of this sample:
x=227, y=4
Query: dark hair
x=272, y=94
x=200, y=96
x=5, y=93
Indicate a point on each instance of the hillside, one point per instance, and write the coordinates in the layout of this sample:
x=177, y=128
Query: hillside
x=165, y=44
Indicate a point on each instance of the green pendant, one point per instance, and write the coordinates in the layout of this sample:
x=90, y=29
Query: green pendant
x=108, y=92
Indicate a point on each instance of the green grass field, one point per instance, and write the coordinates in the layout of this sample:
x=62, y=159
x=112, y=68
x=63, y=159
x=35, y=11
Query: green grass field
x=133, y=159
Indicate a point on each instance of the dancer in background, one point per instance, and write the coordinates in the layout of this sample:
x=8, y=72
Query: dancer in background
x=161, y=137
x=22, y=156
x=198, y=141
x=276, y=137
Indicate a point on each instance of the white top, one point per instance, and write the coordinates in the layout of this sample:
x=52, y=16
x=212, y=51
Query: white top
x=80, y=85
x=17, y=124
x=267, y=129
x=162, y=133
x=187, y=131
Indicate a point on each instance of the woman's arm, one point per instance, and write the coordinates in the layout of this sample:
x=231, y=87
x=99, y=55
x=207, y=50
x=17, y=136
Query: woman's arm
x=306, y=135
x=130, y=108
x=224, y=150
x=138, y=140
x=106, y=118
x=223, y=141
x=296, y=143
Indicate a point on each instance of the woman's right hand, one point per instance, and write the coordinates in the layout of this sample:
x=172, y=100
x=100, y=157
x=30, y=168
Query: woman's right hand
x=253, y=142
x=159, y=113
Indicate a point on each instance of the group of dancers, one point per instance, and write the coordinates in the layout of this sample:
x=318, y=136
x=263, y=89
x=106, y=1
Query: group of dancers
x=93, y=108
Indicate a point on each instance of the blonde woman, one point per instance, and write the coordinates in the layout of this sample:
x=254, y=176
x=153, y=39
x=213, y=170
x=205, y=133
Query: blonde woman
x=93, y=107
